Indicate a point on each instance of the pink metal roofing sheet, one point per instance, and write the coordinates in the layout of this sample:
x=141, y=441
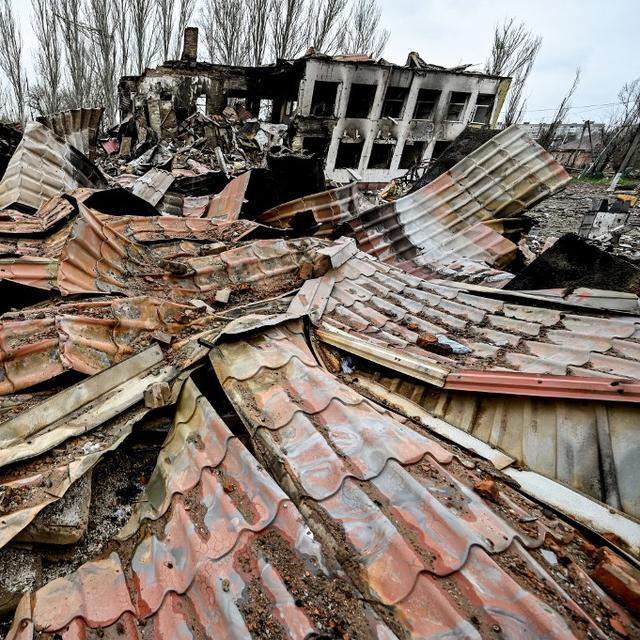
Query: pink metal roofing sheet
x=412, y=534
x=227, y=555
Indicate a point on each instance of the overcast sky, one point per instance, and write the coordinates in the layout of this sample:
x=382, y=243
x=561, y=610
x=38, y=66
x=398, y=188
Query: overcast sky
x=601, y=37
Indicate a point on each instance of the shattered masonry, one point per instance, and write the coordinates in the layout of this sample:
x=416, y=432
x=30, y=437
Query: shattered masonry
x=238, y=399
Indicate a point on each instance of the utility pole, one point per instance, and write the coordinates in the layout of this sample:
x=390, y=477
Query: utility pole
x=579, y=147
x=626, y=160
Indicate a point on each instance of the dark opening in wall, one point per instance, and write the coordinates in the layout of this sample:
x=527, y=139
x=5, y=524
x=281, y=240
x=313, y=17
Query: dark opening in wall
x=411, y=154
x=426, y=104
x=360, y=100
x=318, y=146
x=439, y=148
x=484, y=107
x=349, y=155
x=394, y=102
x=457, y=104
x=381, y=155
x=323, y=102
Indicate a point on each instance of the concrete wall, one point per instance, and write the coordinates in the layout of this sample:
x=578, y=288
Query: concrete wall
x=376, y=129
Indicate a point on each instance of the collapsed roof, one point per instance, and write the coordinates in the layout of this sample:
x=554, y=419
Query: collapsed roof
x=366, y=439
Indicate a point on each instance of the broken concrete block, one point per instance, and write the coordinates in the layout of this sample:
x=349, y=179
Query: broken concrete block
x=125, y=147
x=64, y=521
x=20, y=571
x=222, y=295
x=201, y=304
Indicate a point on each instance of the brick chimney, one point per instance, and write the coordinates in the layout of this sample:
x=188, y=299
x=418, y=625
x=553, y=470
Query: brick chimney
x=190, y=48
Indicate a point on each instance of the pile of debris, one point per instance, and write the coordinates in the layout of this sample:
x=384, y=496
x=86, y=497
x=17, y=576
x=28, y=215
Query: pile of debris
x=234, y=400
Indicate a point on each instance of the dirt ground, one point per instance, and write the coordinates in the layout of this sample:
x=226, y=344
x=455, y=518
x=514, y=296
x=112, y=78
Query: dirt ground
x=563, y=213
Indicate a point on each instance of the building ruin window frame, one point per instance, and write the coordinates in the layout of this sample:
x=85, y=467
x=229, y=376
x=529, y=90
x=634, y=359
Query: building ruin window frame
x=463, y=105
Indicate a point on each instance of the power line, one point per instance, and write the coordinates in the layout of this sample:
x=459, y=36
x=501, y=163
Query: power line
x=584, y=106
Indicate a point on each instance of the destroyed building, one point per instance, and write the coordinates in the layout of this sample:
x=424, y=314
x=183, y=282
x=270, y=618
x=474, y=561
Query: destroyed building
x=368, y=119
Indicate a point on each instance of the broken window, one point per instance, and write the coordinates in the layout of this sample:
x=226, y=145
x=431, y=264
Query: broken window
x=394, y=102
x=426, y=104
x=381, y=155
x=349, y=155
x=457, y=104
x=360, y=100
x=201, y=104
x=318, y=146
x=323, y=102
x=411, y=154
x=484, y=107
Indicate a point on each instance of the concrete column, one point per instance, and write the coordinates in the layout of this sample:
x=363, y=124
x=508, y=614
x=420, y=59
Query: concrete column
x=376, y=111
x=407, y=116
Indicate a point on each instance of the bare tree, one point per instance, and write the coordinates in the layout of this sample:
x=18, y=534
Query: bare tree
x=79, y=63
x=102, y=33
x=164, y=21
x=363, y=33
x=549, y=131
x=45, y=96
x=123, y=35
x=257, y=26
x=324, y=31
x=287, y=37
x=513, y=53
x=11, y=57
x=224, y=25
x=144, y=44
x=185, y=12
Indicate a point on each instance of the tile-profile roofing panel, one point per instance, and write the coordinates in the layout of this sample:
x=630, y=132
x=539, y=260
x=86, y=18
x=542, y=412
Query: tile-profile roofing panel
x=41, y=273
x=37, y=345
x=44, y=166
x=99, y=259
x=228, y=555
x=319, y=214
x=50, y=214
x=444, y=223
x=153, y=185
x=421, y=545
x=385, y=306
x=79, y=127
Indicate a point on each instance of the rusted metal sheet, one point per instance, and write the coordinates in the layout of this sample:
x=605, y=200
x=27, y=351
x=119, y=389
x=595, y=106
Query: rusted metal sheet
x=227, y=204
x=79, y=127
x=81, y=407
x=413, y=531
x=319, y=214
x=50, y=214
x=229, y=552
x=37, y=345
x=441, y=228
x=97, y=258
x=153, y=185
x=39, y=483
x=392, y=309
x=41, y=273
x=42, y=167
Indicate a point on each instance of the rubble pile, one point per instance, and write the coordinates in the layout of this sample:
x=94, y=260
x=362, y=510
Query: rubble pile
x=234, y=400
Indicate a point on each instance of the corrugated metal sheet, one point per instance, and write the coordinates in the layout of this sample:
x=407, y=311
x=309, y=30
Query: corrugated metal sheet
x=153, y=185
x=50, y=214
x=82, y=406
x=37, y=345
x=41, y=273
x=227, y=204
x=97, y=258
x=44, y=166
x=229, y=556
x=79, y=127
x=416, y=539
x=591, y=446
x=442, y=228
x=319, y=214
